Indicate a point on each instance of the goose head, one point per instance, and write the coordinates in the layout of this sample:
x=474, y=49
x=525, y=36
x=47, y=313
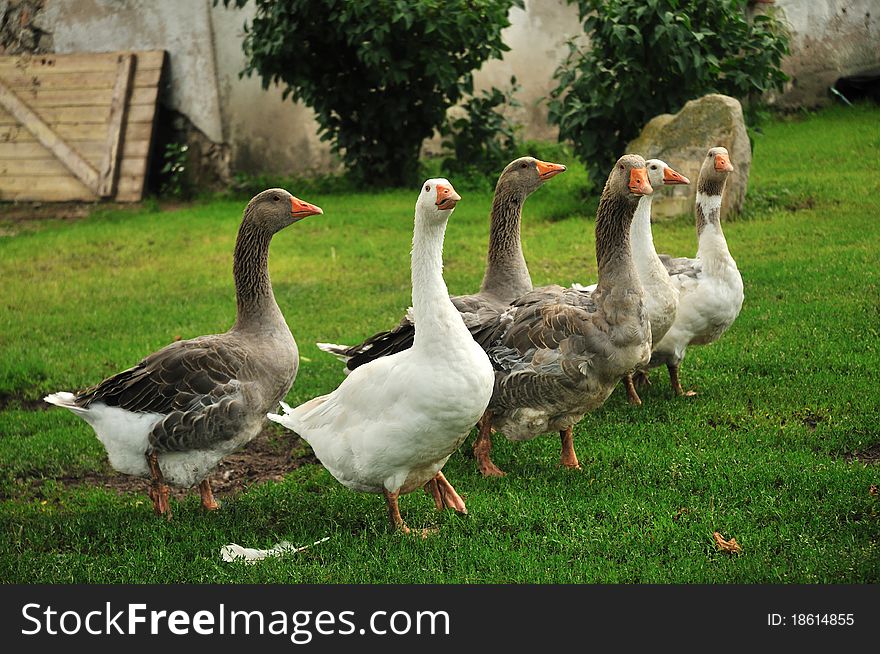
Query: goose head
x=629, y=178
x=274, y=209
x=527, y=174
x=659, y=173
x=437, y=199
x=715, y=169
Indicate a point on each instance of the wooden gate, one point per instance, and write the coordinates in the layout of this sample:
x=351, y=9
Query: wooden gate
x=79, y=126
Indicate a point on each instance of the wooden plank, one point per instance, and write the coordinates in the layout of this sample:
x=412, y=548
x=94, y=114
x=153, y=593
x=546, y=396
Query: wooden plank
x=89, y=97
x=118, y=104
x=49, y=139
x=30, y=83
x=96, y=114
x=81, y=98
x=90, y=62
x=74, y=132
x=53, y=168
x=92, y=150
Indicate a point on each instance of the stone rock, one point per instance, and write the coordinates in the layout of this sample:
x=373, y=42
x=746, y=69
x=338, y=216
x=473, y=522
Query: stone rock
x=681, y=140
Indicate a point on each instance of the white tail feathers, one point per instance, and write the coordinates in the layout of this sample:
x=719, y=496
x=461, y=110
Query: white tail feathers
x=62, y=398
x=67, y=401
x=274, y=417
x=335, y=350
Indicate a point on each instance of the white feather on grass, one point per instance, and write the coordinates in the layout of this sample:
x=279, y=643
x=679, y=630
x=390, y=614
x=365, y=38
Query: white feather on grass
x=233, y=552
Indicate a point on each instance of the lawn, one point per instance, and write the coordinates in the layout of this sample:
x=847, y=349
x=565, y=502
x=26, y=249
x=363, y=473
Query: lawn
x=762, y=454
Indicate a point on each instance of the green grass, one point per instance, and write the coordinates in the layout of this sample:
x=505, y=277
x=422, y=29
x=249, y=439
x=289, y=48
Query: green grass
x=757, y=455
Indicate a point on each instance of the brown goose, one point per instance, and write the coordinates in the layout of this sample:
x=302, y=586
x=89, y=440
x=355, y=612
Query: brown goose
x=173, y=416
x=558, y=353
x=506, y=277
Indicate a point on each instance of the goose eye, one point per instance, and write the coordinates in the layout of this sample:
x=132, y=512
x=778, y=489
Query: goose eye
x=620, y=166
x=523, y=165
x=427, y=187
x=653, y=167
x=276, y=198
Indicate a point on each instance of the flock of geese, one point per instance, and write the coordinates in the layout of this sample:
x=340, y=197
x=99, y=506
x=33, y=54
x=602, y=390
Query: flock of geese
x=511, y=358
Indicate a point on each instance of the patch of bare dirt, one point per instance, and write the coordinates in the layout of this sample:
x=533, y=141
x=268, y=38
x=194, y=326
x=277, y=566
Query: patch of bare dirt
x=17, y=401
x=268, y=456
x=870, y=456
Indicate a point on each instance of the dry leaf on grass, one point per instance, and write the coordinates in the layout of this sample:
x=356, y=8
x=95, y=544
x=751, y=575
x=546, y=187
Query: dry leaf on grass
x=873, y=490
x=729, y=546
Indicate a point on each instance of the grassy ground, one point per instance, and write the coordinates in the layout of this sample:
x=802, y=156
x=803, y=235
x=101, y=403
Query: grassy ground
x=758, y=455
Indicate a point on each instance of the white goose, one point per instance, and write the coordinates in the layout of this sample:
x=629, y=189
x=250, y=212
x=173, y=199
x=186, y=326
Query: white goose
x=661, y=296
x=174, y=415
x=710, y=286
x=393, y=422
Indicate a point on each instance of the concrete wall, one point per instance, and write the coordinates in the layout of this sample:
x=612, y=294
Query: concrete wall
x=829, y=39
x=265, y=133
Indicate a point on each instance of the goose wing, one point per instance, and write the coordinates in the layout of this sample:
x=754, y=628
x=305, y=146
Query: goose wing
x=681, y=266
x=479, y=316
x=546, y=331
x=194, y=384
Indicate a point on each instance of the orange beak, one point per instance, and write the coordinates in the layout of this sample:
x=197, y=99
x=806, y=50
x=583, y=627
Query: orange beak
x=722, y=163
x=446, y=197
x=301, y=209
x=548, y=170
x=638, y=182
x=672, y=177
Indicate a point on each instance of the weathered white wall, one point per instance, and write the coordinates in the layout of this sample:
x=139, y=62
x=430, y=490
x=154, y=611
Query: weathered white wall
x=182, y=27
x=829, y=39
x=265, y=133
x=536, y=38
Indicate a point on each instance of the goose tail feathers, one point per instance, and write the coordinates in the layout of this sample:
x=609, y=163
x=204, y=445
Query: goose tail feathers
x=65, y=400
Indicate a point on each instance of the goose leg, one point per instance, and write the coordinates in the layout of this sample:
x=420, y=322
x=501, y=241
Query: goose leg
x=208, y=501
x=448, y=497
x=158, y=488
x=676, y=383
x=568, y=458
x=433, y=489
x=641, y=379
x=483, y=447
x=397, y=523
x=631, y=393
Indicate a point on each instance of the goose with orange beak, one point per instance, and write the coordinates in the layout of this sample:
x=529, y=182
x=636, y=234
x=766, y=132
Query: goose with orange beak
x=177, y=413
x=506, y=277
x=710, y=286
x=393, y=423
x=559, y=352
x=661, y=297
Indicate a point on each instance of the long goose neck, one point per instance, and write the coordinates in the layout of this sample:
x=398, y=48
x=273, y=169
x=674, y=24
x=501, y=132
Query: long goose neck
x=507, y=276
x=642, y=241
x=613, y=250
x=257, y=308
x=433, y=312
x=713, y=249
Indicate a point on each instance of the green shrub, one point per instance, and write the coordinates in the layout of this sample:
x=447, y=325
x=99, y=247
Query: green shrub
x=379, y=74
x=648, y=57
x=483, y=140
x=174, y=181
